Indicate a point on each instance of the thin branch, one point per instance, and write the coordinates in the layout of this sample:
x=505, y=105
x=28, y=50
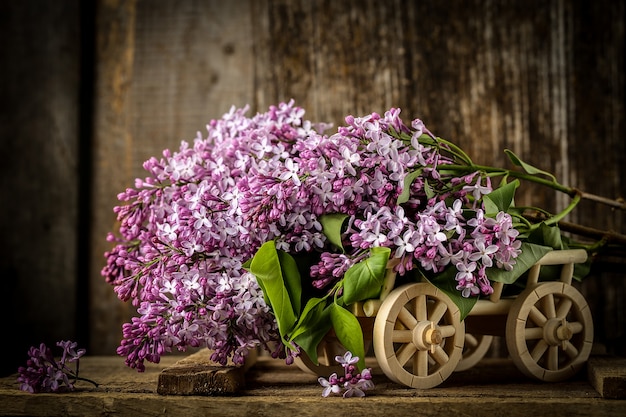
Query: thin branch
x=608, y=236
x=618, y=203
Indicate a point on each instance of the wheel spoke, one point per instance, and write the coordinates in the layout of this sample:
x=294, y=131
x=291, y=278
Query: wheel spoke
x=402, y=336
x=449, y=331
x=531, y=333
x=564, y=307
x=438, y=312
x=570, y=350
x=553, y=358
x=539, y=349
x=576, y=327
x=421, y=310
x=407, y=318
x=537, y=316
x=405, y=353
x=470, y=340
x=420, y=363
x=548, y=306
x=440, y=355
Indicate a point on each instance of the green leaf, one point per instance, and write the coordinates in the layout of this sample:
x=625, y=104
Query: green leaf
x=582, y=270
x=266, y=268
x=365, y=279
x=500, y=199
x=348, y=331
x=406, y=189
x=547, y=236
x=291, y=277
x=446, y=282
x=527, y=167
x=246, y=265
x=428, y=190
x=312, y=327
x=332, y=225
x=531, y=253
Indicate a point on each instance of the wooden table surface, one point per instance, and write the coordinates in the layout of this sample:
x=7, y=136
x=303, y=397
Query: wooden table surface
x=492, y=388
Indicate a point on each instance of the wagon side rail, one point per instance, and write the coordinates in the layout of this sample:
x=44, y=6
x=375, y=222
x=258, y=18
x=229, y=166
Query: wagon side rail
x=494, y=304
x=567, y=258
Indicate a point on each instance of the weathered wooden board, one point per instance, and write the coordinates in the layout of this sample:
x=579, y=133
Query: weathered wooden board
x=608, y=376
x=493, y=387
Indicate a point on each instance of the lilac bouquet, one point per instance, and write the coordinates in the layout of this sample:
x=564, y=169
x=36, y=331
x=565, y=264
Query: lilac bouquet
x=261, y=232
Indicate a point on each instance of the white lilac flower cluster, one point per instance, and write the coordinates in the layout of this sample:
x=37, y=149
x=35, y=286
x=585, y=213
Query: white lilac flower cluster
x=187, y=230
x=352, y=383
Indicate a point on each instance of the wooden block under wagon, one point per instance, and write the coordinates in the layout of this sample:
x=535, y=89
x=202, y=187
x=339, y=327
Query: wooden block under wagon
x=198, y=375
x=608, y=376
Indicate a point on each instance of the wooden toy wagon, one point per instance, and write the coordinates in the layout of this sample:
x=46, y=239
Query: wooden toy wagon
x=419, y=340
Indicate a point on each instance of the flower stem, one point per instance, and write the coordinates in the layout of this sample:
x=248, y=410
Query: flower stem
x=80, y=378
x=516, y=174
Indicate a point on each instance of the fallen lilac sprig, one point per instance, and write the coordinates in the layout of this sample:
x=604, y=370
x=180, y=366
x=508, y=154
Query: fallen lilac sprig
x=353, y=383
x=43, y=373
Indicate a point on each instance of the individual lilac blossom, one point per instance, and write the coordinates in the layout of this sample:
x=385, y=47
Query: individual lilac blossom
x=357, y=389
x=331, y=385
x=483, y=253
x=478, y=190
x=466, y=278
x=346, y=360
x=44, y=373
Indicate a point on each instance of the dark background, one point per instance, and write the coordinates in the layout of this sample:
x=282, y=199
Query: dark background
x=91, y=89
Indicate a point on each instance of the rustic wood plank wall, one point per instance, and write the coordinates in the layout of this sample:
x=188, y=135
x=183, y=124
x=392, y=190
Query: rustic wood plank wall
x=543, y=78
x=39, y=181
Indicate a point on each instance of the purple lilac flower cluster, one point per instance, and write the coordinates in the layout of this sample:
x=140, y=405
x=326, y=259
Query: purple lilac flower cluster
x=186, y=231
x=43, y=373
x=352, y=383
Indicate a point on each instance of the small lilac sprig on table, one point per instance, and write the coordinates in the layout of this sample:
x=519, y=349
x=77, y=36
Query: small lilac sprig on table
x=352, y=383
x=44, y=373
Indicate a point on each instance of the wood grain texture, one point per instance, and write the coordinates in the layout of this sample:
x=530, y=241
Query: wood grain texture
x=275, y=389
x=608, y=376
x=113, y=164
x=197, y=374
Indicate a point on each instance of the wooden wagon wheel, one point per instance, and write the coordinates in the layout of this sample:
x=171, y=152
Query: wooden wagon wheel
x=418, y=336
x=474, y=349
x=549, y=331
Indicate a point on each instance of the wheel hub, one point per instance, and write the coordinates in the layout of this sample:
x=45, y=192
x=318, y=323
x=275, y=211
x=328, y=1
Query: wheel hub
x=427, y=336
x=557, y=332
